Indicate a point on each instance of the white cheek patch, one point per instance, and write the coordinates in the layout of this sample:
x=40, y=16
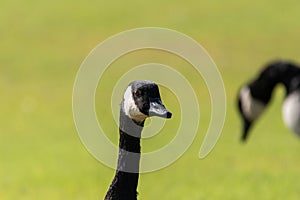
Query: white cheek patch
x=251, y=107
x=291, y=112
x=130, y=108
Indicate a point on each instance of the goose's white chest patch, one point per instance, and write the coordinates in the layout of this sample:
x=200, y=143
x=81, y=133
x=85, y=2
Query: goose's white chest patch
x=251, y=107
x=130, y=108
x=291, y=112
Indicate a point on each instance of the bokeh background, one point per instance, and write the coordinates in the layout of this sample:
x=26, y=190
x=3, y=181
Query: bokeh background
x=42, y=45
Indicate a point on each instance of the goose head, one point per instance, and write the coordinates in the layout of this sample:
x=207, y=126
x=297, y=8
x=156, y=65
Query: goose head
x=250, y=108
x=141, y=100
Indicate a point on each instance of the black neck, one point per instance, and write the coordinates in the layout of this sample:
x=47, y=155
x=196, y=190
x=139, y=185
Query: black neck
x=124, y=184
x=273, y=74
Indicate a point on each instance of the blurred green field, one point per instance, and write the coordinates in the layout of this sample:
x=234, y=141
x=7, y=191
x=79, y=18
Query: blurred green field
x=42, y=45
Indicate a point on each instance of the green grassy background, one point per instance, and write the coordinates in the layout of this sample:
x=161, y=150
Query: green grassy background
x=42, y=45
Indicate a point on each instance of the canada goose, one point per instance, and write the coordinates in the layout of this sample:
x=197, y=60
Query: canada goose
x=141, y=100
x=254, y=97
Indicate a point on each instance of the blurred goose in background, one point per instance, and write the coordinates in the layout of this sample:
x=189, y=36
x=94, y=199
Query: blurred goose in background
x=254, y=97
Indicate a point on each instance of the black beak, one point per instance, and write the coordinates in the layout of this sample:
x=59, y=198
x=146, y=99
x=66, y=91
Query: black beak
x=245, y=123
x=246, y=128
x=158, y=109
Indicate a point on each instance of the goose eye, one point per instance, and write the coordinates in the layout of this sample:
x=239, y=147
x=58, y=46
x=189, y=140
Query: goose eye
x=139, y=93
